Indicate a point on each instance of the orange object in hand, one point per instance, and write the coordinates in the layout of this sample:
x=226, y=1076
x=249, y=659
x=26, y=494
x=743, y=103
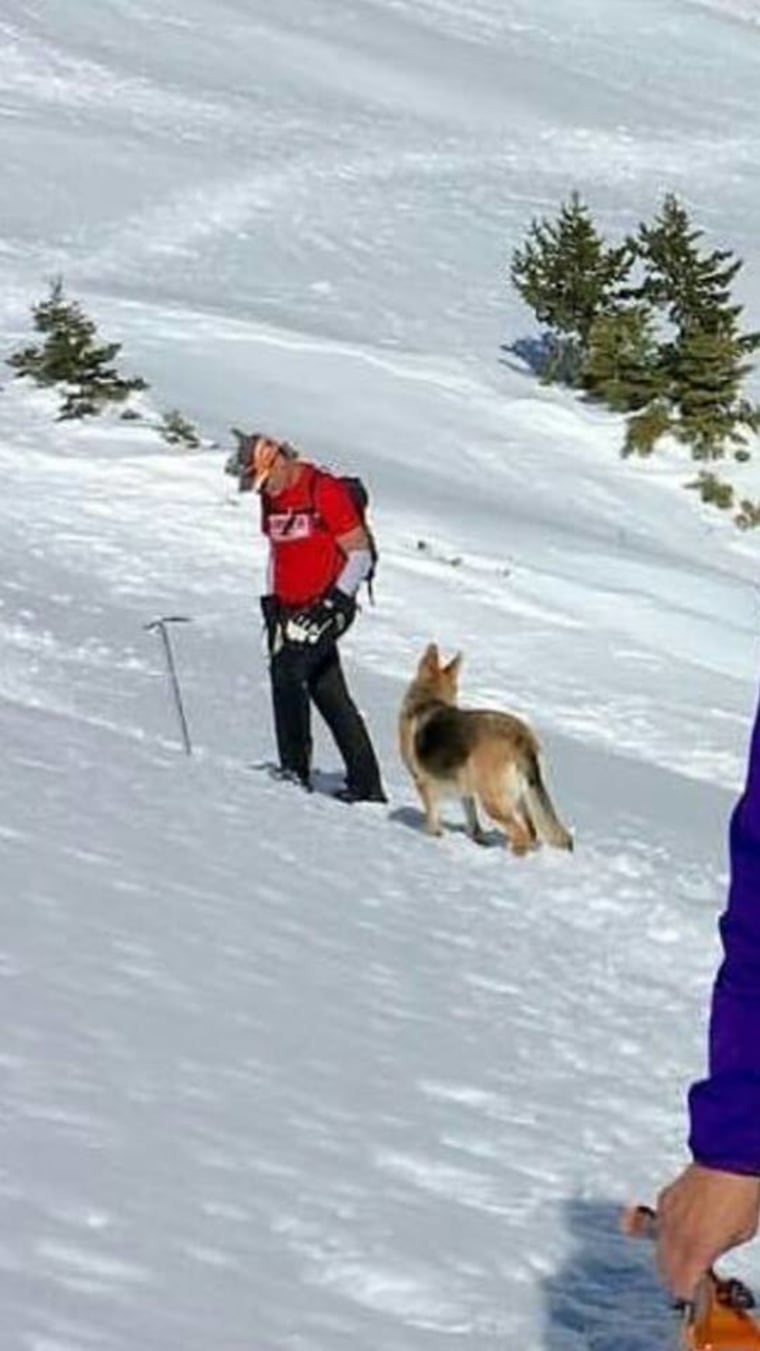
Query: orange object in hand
x=719, y=1323
x=719, y=1319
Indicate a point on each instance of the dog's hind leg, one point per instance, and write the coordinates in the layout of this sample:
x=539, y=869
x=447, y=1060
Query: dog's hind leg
x=474, y=829
x=518, y=836
x=430, y=803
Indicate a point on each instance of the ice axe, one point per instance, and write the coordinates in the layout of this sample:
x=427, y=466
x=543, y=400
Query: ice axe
x=162, y=625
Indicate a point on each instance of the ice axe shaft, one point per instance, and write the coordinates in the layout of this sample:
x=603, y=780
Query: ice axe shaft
x=162, y=625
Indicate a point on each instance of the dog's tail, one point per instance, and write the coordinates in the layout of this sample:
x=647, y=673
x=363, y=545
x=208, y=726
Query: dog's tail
x=546, y=823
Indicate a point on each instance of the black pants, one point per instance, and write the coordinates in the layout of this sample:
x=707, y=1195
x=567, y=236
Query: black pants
x=300, y=675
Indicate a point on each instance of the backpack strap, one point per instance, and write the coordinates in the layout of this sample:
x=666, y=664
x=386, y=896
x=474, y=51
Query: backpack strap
x=361, y=512
x=316, y=477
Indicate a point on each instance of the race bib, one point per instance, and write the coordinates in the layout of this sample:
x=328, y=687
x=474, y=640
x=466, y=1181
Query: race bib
x=283, y=526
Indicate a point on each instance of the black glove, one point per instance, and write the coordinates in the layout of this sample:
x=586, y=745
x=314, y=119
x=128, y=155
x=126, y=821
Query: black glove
x=327, y=618
x=270, y=609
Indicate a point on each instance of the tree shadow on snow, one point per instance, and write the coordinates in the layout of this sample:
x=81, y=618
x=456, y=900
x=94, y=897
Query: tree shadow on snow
x=533, y=354
x=606, y=1296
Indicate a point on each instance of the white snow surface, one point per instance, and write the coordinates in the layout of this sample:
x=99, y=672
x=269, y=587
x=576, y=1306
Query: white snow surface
x=278, y=1073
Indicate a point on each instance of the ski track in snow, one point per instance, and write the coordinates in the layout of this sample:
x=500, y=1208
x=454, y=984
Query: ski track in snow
x=344, y=190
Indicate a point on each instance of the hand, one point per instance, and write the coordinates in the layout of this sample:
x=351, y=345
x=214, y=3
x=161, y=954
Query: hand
x=701, y=1215
x=326, y=618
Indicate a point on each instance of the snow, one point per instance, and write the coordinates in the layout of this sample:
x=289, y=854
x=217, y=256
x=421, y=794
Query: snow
x=278, y=1073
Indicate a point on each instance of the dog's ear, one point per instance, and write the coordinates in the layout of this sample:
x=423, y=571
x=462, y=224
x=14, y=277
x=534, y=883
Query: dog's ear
x=430, y=659
x=452, y=667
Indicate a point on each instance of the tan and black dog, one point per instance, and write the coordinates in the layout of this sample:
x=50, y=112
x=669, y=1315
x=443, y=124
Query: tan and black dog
x=482, y=756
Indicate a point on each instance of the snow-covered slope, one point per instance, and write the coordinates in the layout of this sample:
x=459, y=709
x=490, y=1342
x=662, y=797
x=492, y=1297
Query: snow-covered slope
x=277, y=1073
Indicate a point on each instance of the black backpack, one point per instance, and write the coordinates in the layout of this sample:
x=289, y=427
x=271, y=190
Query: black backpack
x=357, y=490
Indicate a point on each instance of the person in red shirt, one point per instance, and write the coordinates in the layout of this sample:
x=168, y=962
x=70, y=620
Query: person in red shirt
x=319, y=553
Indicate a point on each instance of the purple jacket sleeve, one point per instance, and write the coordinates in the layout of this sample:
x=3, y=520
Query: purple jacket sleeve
x=725, y=1107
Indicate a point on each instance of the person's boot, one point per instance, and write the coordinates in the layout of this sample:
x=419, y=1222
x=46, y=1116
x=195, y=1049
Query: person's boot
x=350, y=794
x=284, y=775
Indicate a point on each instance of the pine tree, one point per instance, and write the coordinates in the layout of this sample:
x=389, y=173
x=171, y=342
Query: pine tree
x=678, y=279
x=707, y=358
x=748, y=515
x=713, y=489
x=70, y=356
x=708, y=370
x=179, y=430
x=623, y=365
x=567, y=275
x=644, y=429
